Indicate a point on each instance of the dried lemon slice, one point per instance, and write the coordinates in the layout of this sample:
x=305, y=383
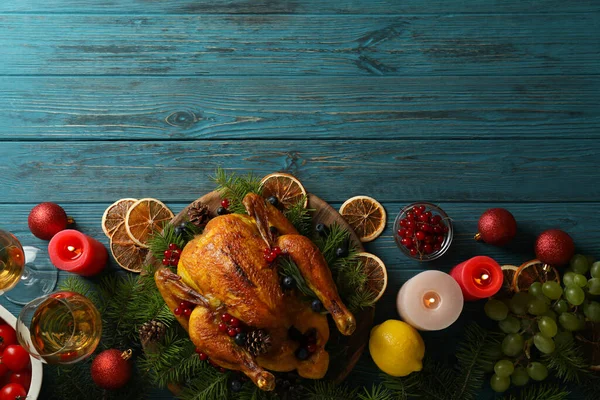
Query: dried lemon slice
x=125, y=252
x=144, y=217
x=114, y=215
x=509, y=272
x=533, y=271
x=376, y=273
x=285, y=187
x=365, y=215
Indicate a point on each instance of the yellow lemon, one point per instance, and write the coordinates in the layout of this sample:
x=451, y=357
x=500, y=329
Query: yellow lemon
x=397, y=348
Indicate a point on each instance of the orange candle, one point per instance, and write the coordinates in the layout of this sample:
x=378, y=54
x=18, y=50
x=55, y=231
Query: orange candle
x=72, y=251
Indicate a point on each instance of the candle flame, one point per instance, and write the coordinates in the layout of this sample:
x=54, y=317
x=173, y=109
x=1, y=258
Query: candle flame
x=431, y=300
x=76, y=252
x=484, y=278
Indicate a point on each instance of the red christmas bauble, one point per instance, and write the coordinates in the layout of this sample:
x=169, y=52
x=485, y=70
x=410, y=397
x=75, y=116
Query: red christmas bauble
x=46, y=220
x=554, y=247
x=111, y=369
x=496, y=226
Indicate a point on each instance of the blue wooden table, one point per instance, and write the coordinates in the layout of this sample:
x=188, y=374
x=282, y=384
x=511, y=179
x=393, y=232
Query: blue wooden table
x=470, y=104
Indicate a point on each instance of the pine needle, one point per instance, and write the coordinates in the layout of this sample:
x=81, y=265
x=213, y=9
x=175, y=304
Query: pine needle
x=287, y=267
x=209, y=384
x=378, y=392
x=235, y=188
x=325, y=390
x=361, y=299
x=300, y=217
x=539, y=392
x=567, y=361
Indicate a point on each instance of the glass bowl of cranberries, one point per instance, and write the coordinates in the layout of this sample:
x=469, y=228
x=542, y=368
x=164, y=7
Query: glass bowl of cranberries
x=423, y=231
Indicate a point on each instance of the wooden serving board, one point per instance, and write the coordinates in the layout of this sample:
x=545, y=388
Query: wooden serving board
x=323, y=213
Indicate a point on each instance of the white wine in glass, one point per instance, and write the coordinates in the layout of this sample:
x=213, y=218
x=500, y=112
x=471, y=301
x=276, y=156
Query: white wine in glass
x=12, y=261
x=60, y=328
x=24, y=271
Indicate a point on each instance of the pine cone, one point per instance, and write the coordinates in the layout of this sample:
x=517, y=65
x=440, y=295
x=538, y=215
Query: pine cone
x=152, y=331
x=258, y=342
x=198, y=214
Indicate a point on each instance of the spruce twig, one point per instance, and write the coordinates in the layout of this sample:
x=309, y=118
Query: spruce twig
x=567, y=361
x=539, y=392
x=325, y=390
x=235, y=188
x=209, y=384
x=287, y=267
x=378, y=392
x=300, y=217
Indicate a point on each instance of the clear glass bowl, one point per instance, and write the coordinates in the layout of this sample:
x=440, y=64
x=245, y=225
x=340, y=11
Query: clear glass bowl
x=435, y=210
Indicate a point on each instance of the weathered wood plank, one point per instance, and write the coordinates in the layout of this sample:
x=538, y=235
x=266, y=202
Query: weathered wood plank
x=40, y=108
x=457, y=44
x=293, y=7
x=392, y=170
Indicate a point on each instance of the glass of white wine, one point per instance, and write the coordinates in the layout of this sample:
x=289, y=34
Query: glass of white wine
x=23, y=271
x=60, y=328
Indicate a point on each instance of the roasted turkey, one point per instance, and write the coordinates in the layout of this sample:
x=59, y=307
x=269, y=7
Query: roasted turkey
x=224, y=270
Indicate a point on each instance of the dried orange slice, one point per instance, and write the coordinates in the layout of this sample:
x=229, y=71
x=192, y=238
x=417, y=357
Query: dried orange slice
x=376, y=273
x=533, y=271
x=509, y=272
x=365, y=215
x=125, y=252
x=114, y=215
x=285, y=187
x=144, y=217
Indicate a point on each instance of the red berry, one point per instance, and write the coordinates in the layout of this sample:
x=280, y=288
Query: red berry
x=428, y=213
x=222, y=327
x=168, y=253
x=428, y=249
x=437, y=247
x=277, y=250
x=402, y=232
x=311, y=348
x=238, y=329
x=166, y=261
x=176, y=253
x=427, y=228
x=429, y=239
x=187, y=312
x=267, y=256
x=225, y=203
x=203, y=356
x=423, y=218
x=234, y=322
x=420, y=235
x=231, y=332
x=403, y=223
x=226, y=318
x=444, y=228
x=408, y=242
x=417, y=211
x=439, y=239
x=410, y=215
x=177, y=311
x=173, y=246
x=410, y=232
x=413, y=252
x=222, y=370
x=422, y=209
x=273, y=254
x=437, y=229
x=436, y=219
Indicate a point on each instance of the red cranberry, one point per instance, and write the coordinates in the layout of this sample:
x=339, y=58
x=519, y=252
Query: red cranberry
x=403, y=223
x=427, y=228
x=437, y=229
x=166, y=261
x=225, y=203
x=408, y=242
x=436, y=219
x=439, y=239
x=177, y=311
x=402, y=232
x=203, y=356
x=231, y=332
x=277, y=250
x=226, y=318
x=437, y=247
x=238, y=330
x=413, y=252
x=410, y=215
x=410, y=232
x=420, y=235
x=222, y=327
x=417, y=211
x=311, y=348
x=429, y=239
x=428, y=249
x=234, y=322
x=423, y=218
x=173, y=246
x=187, y=312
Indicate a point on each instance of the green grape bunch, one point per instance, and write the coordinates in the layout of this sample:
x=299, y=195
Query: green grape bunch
x=539, y=318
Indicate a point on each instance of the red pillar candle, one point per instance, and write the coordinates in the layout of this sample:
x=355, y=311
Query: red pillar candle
x=479, y=277
x=72, y=251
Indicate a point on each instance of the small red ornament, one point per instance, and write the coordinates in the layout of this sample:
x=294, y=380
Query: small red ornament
x=497, y=226
x=111, y=369
x=47, y=219
x=554, y=247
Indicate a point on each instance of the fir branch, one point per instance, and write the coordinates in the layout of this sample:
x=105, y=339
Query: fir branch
x=300, y=217
x=287, y=267
x=174, y=359
x=404, y=387
x=325, y=390
x=539, y=392
x=471, y=352
x=567, y=361
x=76, y=284
x=251, y=392
x=360, y=299
x=378, y=392
x=209, y=384
x=336, y=237
x=159, y=241
x=235, y=188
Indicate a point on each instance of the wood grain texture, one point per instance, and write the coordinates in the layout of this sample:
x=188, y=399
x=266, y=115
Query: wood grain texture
x=132, y=108
x=390, y=170
x=457, y=44
x=297, y=6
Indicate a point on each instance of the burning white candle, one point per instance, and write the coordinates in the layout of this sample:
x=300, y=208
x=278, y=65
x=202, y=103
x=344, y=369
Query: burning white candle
x=430, y=301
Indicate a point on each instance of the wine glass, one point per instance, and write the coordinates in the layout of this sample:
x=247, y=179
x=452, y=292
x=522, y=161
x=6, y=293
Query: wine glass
x=59, y=328
x=24, y=271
